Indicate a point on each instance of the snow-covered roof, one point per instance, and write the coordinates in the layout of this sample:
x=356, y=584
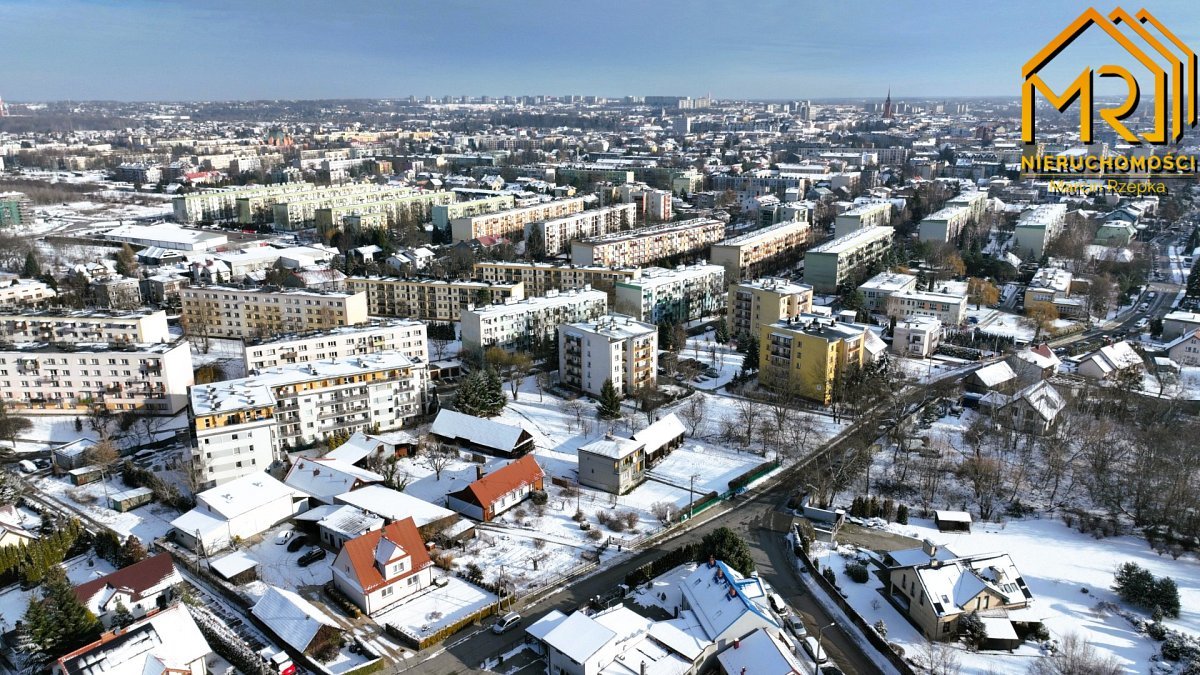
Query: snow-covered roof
x=326, y=478
x=613, y=447
x=489, y=434
x=233, y=564
x=1040, y=356
x=995, y=374
x=1114, y=357
x=169, y=639
x=719, y=596
x=918, y=556
x=951, y=585
x=661, y=432
x=542, y=627
x=393, y=505
x=760, y=653
x=292, y=618
x=998, y=628
x=579, y=637
x=349, y=521
x=1043, y=398
x=952, y=516
x=244, y=494
x=199, y=523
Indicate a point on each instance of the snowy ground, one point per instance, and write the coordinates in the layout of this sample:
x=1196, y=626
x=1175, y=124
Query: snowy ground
x=14, y=599
x=430, y=611
x=229, y=354
x=723, y=358
x=927, y=370
x=50, y=431
x=1057, y=581
x=278, y=567
x=148, y=522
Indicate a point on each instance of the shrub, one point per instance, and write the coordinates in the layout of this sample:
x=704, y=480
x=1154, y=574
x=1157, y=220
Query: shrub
x=603, y=517
x=829, y=575
x=538, y=497
x=474, y=571
x=630, y=518
x=857, y=572
x=616, y=524
x=578, y=517
x=1041, y=633
x=972, y=630
x=1157, y=631
x=902, y=514
x=896, y=648
x=595, y=535
x=1138, y=586
x=881, y=628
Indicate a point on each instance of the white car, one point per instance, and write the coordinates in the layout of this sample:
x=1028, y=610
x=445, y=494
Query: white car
x=506, y=622
x=283, y=537
x=778, y=604
x=816, y=651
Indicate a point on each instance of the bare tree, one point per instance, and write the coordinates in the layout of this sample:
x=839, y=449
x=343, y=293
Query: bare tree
x=437, y=458
x=1076, y=657
x=938, y=658
x=692, y=412
x=749, y=412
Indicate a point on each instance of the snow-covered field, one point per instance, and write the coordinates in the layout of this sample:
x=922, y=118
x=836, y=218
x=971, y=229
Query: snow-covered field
x=1067, y=589
x=148, y=522
x=50, y=431
x=429, y=612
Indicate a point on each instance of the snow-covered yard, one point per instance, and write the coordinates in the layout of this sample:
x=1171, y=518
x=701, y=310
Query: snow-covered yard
x=148, y=522
x=1067, y=589
x=278, y=567
x=436, y=608
x=50, y=431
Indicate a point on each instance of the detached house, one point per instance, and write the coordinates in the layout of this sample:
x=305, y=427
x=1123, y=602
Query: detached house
x=612, y=464
x=499, y=491
x=1034, y=364
x=934, y=586
x=383, y=567
x=326, y=478
x=1033, y=409
x=457, y=431
x=141, y=587
x=1185, y=350
x=1111, y=361
x=12, y=528
x=164, y=643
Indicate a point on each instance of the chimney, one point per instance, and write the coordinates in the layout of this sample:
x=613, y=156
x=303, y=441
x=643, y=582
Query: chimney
x=929, y=547
x=642, y=667
x=737, y=644
x=478, y=471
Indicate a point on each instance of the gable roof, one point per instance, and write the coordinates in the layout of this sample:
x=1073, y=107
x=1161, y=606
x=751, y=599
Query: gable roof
x=950, y=585
x=361, y=552
x=579, y=637
x=994, y=375
x=242, y=495
x=510, y=477
x=164, y=640
x=392, y=505
x=1117, y=356
x=291, y=617
x=326, y=478
x=135, y=579
x=489, y=434
x=1040, y=356
x=661, y=432
x=1043, y=399
x=719, y=596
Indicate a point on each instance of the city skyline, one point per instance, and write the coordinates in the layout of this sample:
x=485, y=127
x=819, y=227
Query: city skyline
x=304, y=50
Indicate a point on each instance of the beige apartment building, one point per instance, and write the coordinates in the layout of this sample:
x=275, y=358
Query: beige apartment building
x=25, y=292
x=510, y=223
x=430, y=299
x=649, y=245
x=539, y=278
x=299, y=211
x=764, y=251
x=759, y=302
x=407, y=336
x=383, y=212
x=444, y=213
x=226, y=203
x=613, y=347
x=223, y=311
x=553, y=237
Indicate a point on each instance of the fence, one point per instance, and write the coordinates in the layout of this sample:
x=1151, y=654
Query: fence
x=419, y=642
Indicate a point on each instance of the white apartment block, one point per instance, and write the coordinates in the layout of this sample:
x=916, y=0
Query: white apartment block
x=673, y=295
x=224, y=311
x=539, y=278
x=877, y=289
x=553, y=237
x=871, y=214
x=430, y=299
x=298, y=211
x=222, y=203
x=518, y=324
x=56, y=325
x=25, y=292
x=1037, y=228
x=950, y=309
x=919, y=336
x=762, y=252
x=382, y=211
x=945, y=225
x=242, y=426
x=405, y=336
x=444, y=213
x=511, y=222
x=50, y=379
x=613, y=347
x=650, y=205
x=648, y=245
x=975, y=202
x=837, y=262
x=760, y=302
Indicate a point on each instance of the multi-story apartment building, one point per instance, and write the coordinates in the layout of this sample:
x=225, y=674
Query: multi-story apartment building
x=837, y=262
x=117, y=293
x=511, y=223
x=613, y=347
x=1037, y=228
x=52, y=325
x=975, y=202
x=242, y=426
x=58, y=379
x=757, y=302
x=223, y=203
x=583, y=174
x=430, y=299
x=297, y=211
x=223, y=311
x=538, y=278
x=652, y=206
x=519, y=324
x=386, y=211
x=805, y=356
x=392, y=335
x=870, y=214
x=673, y=295
x=26, y=292
x=649, y=245
x=950, y=309
x=764, y=251
x=945, y=224
x=919, y=336
x=444, y=213
x=553, y=237
x=877, y=289
x=15, y=209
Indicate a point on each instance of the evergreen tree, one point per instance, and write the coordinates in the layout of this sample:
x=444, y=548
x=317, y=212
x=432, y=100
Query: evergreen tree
x=33, y=268
x=972, y=630
x=725, y=545
x=122, y=617
x=60, y=623
x=481, y=394
x=132, y=551
x=495, y=393
x=750, y=362
x=126, y=262
x=722, y=331
x=609, y=405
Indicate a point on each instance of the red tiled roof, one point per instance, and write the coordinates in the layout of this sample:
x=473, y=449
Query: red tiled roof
x=492, y=487
x=137, y=578
x=361, y=551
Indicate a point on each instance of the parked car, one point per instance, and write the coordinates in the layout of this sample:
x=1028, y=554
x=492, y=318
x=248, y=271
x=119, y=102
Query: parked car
x=506, y=622
x=297, y=543
x=312, y=557
x=283, y=536
x=796, y=627
x=815, y=651
x=777, y=604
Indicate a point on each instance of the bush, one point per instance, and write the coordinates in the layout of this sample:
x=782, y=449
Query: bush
x=539, y=497
x=603, y=517
x=857, y=572
x=1041, y=633
x=972, y=631
x=1157, y=631
x=881, y=628
x=595, y=535
x=830, y=576
x=616, y=524
x=1138, y=586
x=902, y=514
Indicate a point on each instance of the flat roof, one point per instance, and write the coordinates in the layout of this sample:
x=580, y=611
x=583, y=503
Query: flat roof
x=849, y=241
x=91, y=347
x=763, y=233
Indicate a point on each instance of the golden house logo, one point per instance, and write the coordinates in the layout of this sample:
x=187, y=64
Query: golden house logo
x=1171, y=63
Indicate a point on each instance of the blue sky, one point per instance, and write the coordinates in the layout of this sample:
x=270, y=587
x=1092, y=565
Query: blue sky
x=262, y=49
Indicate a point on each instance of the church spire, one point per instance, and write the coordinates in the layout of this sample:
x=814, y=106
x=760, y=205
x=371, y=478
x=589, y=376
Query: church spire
x=887, y=105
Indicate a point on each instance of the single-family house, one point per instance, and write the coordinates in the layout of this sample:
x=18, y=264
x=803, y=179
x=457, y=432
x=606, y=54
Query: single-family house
x=294, y=620
x=337, y=524
x=239, y=509
x=1185, y=349
x=457, y=431
x=383, y=567
x=392, y=505
x=140, y=588
x=1033, y=409
x=164, y=643
x=12, y=527
x=616, y=640
x=661, y=438
x=612, y=464
x=998, y=376
x=724, y=605
x=934, y=587
x=324, y=478
x=1034, y=364
x=1179, y=322
x=762, y=652
x=498, y=491
x=1111, y=361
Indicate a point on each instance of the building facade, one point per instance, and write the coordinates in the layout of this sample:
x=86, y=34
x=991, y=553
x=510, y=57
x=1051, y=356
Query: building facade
x=1037, y=228
x=950, y=309
x=945, y=225
x=430, y=299
x=758, y=302
x=877, y=289
x=553, y=237
x=871, y=214
x=444, y=213
x=539, y=278
x=83, y=326
x=510, y=223
x=521, y=324
x=224, y=311
x=673, y=295
x=837, y=262
x=613, y=347
x=806, y=355
x=400, y=335
x=764, y=251
x=649, y=245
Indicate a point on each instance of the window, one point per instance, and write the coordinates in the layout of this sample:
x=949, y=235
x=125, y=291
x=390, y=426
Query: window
x=387, y=591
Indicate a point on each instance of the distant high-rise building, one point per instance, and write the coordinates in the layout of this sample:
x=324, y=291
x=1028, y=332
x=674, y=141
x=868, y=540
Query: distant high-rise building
x=887, y=105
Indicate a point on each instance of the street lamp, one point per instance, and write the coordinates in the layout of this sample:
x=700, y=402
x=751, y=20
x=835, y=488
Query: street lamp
x=816, y=655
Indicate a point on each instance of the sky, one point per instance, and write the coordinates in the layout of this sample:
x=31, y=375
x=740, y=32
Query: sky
x=304, y=49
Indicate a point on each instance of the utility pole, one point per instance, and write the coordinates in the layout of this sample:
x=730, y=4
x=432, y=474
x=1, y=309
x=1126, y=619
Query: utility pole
x=816, y=664
x=692, y=495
